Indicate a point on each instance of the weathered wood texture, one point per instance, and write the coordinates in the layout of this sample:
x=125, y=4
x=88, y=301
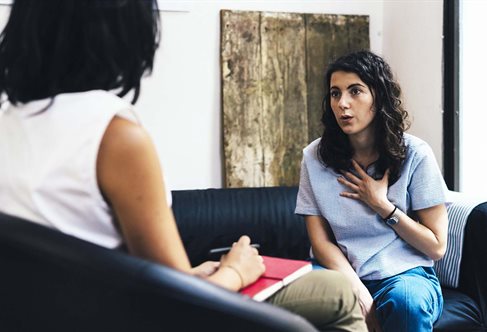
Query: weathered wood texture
x=283, y=96
x=272, y=87
x=242, y=115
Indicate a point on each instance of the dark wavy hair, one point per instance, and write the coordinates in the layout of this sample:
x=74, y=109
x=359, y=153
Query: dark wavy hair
x=391, y=119
x=50, y=47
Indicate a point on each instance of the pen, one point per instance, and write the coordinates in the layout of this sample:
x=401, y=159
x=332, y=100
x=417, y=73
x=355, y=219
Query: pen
x=224, y=250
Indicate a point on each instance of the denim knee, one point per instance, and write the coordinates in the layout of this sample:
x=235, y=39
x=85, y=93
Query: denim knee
x=410, y=301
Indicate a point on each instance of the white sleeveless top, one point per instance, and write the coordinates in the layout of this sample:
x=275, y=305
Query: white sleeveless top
x=48, y=163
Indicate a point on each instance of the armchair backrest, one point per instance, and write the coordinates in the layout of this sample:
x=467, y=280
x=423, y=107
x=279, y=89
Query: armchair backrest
x=54, y=282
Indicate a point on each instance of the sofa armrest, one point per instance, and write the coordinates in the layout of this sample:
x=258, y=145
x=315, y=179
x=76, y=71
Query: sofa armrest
x=473, y=268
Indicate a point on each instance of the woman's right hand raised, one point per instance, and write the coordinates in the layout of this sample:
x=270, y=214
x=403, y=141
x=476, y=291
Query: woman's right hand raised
x=244, y=260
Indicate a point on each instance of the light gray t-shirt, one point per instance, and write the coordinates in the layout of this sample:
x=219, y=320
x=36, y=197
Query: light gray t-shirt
x=373, y=248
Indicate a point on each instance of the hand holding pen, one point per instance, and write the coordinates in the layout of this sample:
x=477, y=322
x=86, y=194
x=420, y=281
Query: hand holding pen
x=244, y=260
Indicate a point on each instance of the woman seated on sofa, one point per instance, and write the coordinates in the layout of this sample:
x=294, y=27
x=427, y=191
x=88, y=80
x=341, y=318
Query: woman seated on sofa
x=76, y=159
x=382, y=219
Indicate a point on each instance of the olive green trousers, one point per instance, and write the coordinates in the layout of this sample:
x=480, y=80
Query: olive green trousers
x=325, y=298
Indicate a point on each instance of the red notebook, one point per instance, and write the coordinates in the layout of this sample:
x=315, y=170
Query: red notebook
x=279, y=272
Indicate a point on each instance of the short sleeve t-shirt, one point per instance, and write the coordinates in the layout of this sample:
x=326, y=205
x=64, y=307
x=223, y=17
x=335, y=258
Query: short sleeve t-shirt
x=373, y=248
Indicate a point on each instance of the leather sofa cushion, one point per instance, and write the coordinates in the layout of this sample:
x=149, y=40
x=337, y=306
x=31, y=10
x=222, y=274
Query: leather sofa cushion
x=460, y=313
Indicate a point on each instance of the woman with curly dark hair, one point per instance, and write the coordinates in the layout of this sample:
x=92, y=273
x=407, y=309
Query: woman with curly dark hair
x=373, y=197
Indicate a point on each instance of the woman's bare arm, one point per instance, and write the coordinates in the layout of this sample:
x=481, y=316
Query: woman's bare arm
x=130, y=177
x=328, y=254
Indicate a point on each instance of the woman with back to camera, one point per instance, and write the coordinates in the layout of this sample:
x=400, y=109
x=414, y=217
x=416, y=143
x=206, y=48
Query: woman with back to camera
x=373, y=197
x=75, y=158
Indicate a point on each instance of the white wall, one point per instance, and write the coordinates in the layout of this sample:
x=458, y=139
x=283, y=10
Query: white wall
x=413, y=46
x=180, y=102
x=472, y=116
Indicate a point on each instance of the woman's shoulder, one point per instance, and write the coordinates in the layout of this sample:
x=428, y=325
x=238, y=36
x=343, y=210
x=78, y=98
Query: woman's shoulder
x=311, y=149
x=99, y=97
x=416, y=144
x=418, y=149
x=98, y=103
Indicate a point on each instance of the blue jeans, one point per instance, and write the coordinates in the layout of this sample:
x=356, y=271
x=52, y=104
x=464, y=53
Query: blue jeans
x=410, y=301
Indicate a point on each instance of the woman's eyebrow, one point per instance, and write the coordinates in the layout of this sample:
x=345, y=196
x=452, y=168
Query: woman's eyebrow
x=355, y=85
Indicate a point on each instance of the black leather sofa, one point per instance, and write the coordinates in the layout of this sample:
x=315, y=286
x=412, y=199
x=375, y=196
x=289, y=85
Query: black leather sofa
x=216, y=217
x=51, y=281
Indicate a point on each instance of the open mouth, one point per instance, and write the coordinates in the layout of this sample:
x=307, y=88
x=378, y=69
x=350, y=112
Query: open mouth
x=346, y=117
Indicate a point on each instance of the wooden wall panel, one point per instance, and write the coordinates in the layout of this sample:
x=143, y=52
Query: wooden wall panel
x=241, y=83
x=272, y=86
x=283, y=96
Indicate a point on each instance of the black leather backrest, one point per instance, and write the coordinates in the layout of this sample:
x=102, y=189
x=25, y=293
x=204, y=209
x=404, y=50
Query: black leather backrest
x=50, y=281
x=217, y=217
x=473, y=269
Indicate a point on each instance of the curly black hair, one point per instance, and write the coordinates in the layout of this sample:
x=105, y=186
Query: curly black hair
x=391, y=119
x=50, y=47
